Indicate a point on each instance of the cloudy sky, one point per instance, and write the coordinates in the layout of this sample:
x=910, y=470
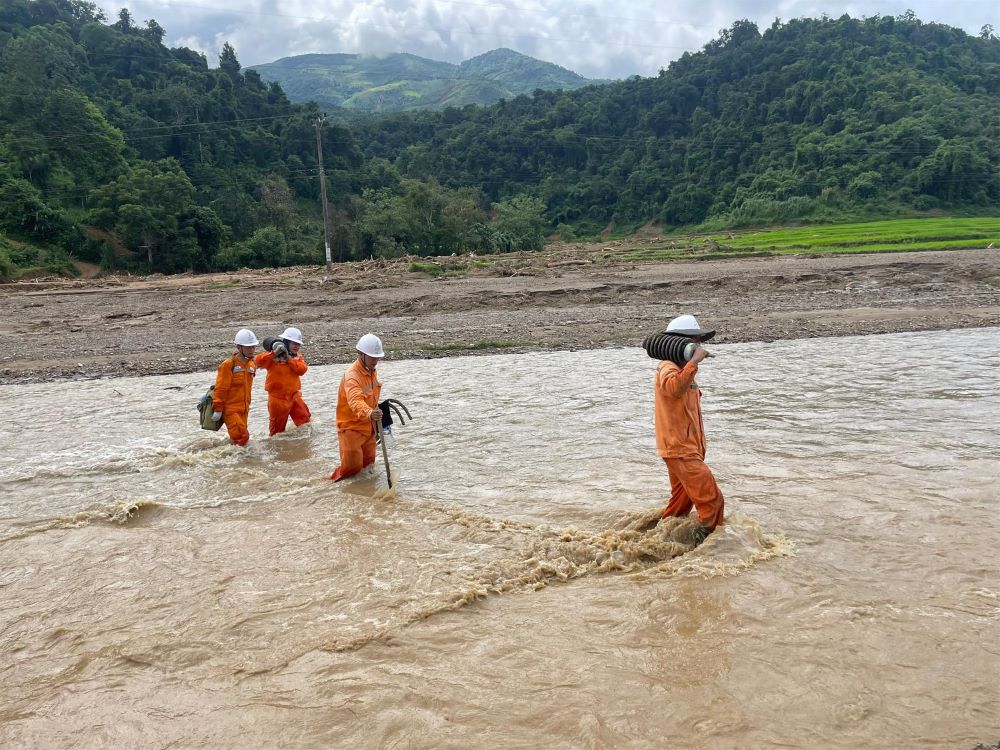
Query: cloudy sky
x=595, y=38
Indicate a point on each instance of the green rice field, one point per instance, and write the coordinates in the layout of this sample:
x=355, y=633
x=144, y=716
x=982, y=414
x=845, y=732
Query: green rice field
x=869, y=237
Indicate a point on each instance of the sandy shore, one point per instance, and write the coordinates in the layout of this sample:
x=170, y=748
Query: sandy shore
x=568, y=297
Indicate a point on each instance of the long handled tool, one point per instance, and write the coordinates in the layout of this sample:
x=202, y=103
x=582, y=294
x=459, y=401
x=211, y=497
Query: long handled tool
x=390, y=406
x=385, y=453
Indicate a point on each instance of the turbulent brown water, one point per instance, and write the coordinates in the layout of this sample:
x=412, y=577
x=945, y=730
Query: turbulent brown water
x=161, y=588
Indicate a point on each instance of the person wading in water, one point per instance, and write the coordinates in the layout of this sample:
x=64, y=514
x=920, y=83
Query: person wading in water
x=358, y=412
x=234, y=386
x=680, y=432
x=285, y=365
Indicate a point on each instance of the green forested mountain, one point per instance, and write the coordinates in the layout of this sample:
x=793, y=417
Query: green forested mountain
x=812, y=119
x=116, y=149
x=402, y=82
x=105, y=133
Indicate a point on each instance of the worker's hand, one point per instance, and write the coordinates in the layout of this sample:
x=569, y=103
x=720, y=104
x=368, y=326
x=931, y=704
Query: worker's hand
x=376, y=416
x=279, y=349
x=216, y=416
x=699, y=354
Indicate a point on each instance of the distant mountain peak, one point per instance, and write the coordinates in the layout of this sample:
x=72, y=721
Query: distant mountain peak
x=401, y=81
x=501, y=52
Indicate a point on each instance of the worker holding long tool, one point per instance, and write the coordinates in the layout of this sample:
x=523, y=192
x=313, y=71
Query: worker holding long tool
x=680, y=432
x=358, y=412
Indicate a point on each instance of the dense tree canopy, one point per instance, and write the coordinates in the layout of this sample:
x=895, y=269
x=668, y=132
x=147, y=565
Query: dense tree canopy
x=811, y=119
x=105, y=132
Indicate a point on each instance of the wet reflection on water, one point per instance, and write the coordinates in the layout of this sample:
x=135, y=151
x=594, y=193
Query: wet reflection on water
x=159, y=585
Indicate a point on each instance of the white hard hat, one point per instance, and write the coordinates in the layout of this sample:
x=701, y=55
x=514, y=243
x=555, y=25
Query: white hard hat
x=687, y=325
x=245, y=337
x=292, y=334
x=371, y=345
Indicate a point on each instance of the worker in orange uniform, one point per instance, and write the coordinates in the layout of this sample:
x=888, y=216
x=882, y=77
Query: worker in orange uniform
x=680, y=432
x=284, y=365
x=358, y=413
x=233, y=386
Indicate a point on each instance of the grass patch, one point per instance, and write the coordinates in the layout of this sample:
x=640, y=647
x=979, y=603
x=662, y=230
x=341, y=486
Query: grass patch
x=894, y=235
x=872, y=236
x=439, y=269
x=475, y=346
x=224, y=285
x=429, y=268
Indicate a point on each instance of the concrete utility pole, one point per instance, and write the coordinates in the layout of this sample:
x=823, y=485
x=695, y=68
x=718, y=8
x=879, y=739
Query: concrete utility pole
x=322, y=191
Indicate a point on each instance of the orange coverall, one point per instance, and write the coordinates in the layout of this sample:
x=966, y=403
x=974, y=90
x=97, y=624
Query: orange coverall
x=680, y=440
x=357, y=397
x=284, y=391
x=233, y=386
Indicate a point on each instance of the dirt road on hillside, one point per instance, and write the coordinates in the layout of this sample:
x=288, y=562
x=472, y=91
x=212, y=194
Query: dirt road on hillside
x=569, y=298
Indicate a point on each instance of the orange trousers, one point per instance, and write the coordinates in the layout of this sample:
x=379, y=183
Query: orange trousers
x=357, y=450
x=692, y=484
x=236, y=423
x=280, y=409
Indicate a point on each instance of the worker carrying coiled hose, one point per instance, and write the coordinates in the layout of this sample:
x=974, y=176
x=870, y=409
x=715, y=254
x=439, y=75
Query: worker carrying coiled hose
x=680, y=432
x=285, y=366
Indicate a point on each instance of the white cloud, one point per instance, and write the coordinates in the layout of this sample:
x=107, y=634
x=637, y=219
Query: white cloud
x=598, y=39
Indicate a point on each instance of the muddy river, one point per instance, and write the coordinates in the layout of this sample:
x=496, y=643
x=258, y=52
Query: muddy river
x=162, y=588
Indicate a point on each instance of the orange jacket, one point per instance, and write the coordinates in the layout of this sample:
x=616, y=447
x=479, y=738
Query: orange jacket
x=233, y=385
x=356, y=399
x=282, y=377
x=680, y=433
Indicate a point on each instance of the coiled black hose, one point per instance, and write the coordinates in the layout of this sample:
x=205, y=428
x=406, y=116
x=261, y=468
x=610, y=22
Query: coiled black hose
x=667, y=346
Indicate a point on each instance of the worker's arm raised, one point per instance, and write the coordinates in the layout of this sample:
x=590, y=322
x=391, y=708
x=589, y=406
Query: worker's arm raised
x=674, y=381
